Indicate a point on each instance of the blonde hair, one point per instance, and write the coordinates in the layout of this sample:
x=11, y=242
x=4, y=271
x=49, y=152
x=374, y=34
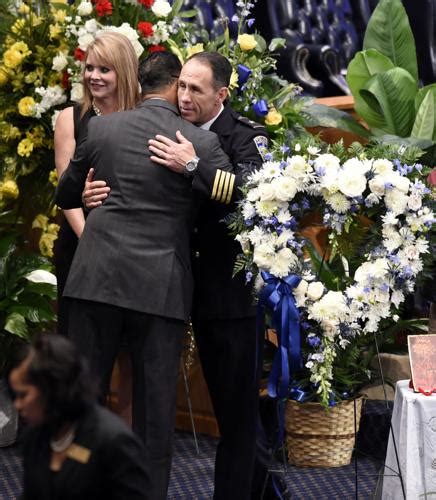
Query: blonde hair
x=115, y=49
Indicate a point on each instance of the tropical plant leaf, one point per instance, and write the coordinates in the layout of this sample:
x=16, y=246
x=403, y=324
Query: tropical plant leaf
x=421, y=95
x=361, y=69
x=392, y=95
x=424, y=126
x=16, y=324
x=389, y=32
x=319, y=115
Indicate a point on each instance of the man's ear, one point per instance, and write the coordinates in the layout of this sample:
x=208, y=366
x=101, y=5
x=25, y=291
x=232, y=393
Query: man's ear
x=223, y=93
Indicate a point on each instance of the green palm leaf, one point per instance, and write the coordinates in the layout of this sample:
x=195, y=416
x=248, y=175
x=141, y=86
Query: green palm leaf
x=424, y=126
x=389, y=32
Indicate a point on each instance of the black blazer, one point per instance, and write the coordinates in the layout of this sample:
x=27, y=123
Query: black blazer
x=134, y=250
x=106, y=462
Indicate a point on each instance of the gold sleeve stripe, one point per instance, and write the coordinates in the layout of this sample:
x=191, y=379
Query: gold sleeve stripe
x=225, y=188
x=220, y=186
x=232, y=183
x=215, y=184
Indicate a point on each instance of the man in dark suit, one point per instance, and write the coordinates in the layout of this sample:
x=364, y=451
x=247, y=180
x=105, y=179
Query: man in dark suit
x=131, y=274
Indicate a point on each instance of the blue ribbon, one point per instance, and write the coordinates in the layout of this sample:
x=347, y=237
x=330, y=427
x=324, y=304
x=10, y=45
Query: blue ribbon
x=260, y=107
x=243, y=74
x=277, y=296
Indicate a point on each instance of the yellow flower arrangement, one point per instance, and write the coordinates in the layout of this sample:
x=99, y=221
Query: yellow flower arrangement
x=247, y=42
x=9, y=189
x=46, y=244
x=25, y=147
x=194, y=49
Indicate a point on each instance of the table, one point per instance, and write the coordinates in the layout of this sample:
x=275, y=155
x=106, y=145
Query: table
x=414, y=428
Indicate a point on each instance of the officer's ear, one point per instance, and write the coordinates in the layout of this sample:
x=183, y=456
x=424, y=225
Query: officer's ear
x=222, y=94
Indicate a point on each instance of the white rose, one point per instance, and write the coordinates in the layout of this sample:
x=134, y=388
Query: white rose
x=266, y=192
x=285, y=188
x=382, y=167
x=414, y=202
x=351, y=183
x=76, y=94
x=84, y=8
x=41, y=276
x=91, y=26
x=161, y=8
x=355, y=165
x=315, y=290
x=253, y=195
x=330, y=181
x=59, y=62
x=328, y=161
x=377, y=185
x=401, y=183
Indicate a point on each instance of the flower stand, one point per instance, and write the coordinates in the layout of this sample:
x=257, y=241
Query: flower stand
x=316, y=437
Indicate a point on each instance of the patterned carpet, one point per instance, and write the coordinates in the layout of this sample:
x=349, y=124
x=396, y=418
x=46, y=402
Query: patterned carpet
x=192, y=473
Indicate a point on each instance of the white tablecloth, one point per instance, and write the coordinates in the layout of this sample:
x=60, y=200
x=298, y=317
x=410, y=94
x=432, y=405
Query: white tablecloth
x=414, y=427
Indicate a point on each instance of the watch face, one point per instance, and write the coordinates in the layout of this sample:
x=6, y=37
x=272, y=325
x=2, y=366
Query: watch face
x=191, y=165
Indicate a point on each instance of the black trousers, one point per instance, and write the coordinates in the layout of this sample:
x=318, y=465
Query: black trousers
x=230, y=357
x=155, y=345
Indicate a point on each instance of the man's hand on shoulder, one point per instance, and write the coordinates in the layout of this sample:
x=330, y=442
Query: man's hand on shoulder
x=95, y=192
x=171, y=154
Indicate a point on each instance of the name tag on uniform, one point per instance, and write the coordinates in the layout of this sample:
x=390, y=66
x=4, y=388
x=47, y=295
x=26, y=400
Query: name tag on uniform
x=78, y=453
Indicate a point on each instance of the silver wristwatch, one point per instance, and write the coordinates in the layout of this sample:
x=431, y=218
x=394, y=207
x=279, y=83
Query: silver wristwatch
x=191, y=166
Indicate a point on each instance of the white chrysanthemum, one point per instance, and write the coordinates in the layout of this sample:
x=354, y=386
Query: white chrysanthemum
x=297, y=166
x=285, y=188
x=84, y=8
x=283, y=216
x=263, y=256
x=396, y=201
x=382, y=167
x=397, y=297
x=400, y=182
x=161, y=8
x=392, y=238
x=271, y=169
x=352, y=183
x=390, y=218
x=257, y=235
x=284, y=237
x=60, y=62
x=253, y=194
x=284, y=260
x=248, y=210
x=327, y=161
x=331, y=307
x=338, y=202
x=312, y=150
x=266, y=208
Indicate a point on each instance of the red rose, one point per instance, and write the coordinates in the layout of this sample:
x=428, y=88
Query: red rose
x=157, y=48
x=145, y=28
x=79, y=54
x=146, y=3
x=65, y=80
x=103, y=8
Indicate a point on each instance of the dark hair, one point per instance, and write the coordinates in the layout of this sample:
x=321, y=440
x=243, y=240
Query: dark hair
x=61, y=375
x=220, y=66
x=158, y=70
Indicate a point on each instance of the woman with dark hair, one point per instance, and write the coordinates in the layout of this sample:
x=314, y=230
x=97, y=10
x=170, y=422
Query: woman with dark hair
x=74, y=449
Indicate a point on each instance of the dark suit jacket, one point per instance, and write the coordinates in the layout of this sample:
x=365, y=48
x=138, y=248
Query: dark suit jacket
x=217, y=294
x=113, y=470
x=134, y=251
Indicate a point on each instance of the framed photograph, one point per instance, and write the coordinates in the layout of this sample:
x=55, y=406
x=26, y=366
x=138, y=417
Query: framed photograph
x=422, y=353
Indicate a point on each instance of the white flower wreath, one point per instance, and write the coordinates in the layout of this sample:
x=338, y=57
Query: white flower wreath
x=347, y=193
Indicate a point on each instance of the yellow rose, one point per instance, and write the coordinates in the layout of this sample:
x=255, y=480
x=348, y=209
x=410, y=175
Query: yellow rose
x=247, y=42
x=3, y=76
x=46, y=243
x=9, y=189
x=40, y=222
x=194, y=49
x=53, y=177
x=22, y=48
x=53, y=228
x=273, y=117
x=23, y=9
x=25, y=148
x=26, y=106
x=55, y=31
x=12, y=58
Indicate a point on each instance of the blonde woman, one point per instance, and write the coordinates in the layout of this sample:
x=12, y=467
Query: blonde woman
x=110, y=83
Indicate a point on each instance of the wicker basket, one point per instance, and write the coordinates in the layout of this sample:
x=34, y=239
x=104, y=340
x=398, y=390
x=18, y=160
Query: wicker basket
x=316, y=437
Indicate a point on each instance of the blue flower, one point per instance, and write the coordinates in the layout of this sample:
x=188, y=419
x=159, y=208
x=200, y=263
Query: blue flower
x=250, y=22
x=235, y=18
x=260, y=107
x=243, y=74
x=313, y=340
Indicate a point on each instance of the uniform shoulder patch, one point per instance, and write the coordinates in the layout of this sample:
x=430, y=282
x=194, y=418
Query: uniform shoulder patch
x=250, y=123
x=261, y=143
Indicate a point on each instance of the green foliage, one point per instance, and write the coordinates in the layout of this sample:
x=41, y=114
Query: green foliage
x=383, y=79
